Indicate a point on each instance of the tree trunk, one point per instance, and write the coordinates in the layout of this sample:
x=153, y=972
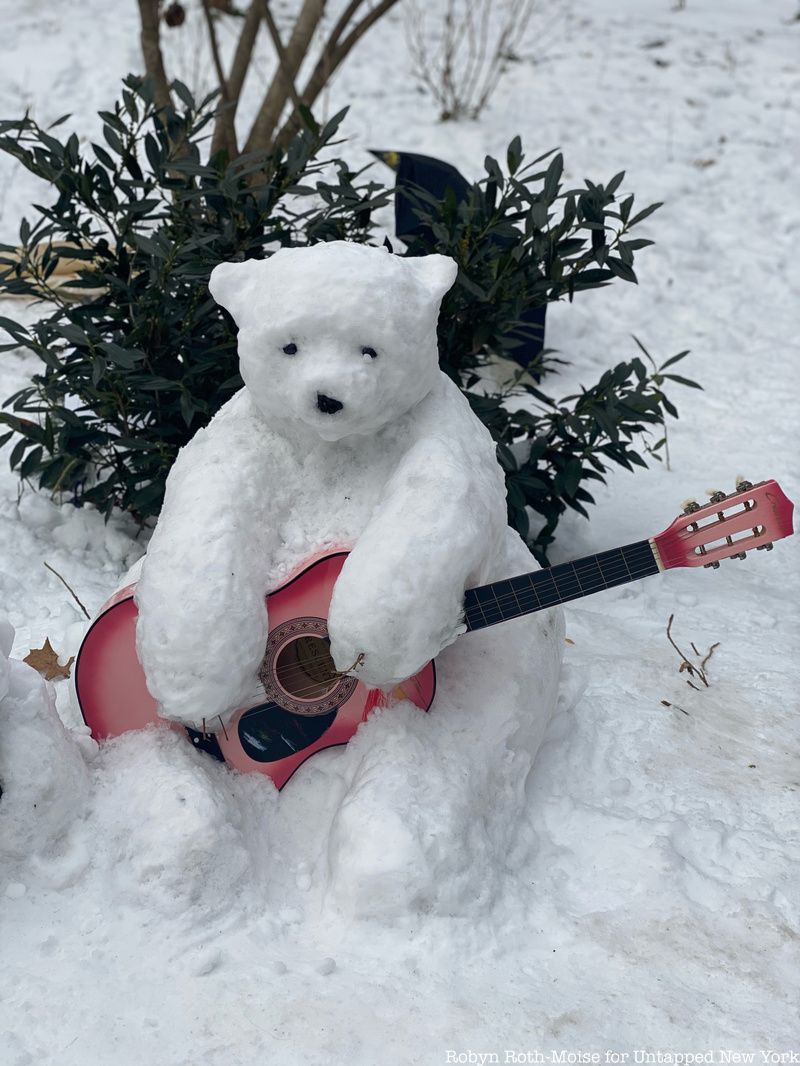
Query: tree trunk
x=334, y=53
x=274, y=102
x=239, y=68
x=151, y=52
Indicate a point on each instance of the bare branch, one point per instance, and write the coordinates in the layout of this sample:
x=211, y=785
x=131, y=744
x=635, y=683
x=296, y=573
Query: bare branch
x=344, y=20
x=280, y=51
x=463, y=63
x=684, y=660
x=69, y=589
x=694, y=670
x=711, y=651
x=333, y=54
x=366, y=23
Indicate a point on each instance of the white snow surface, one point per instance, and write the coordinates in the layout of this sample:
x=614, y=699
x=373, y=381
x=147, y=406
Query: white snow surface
x=154, y=906
x=402, y=472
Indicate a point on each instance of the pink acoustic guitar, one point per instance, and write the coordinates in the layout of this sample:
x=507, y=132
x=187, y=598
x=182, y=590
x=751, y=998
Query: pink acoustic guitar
x=304, y=705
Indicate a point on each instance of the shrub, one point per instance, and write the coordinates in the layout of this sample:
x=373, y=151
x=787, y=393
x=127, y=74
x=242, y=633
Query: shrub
x=521, y=241
x=132, y=371
x=137, y=356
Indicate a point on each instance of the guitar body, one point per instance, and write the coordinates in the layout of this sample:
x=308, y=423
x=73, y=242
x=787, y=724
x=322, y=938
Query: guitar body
x=299, y=709
x=303, y=705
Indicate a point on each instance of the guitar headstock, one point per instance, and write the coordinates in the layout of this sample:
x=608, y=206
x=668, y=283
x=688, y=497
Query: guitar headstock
x=727, y=527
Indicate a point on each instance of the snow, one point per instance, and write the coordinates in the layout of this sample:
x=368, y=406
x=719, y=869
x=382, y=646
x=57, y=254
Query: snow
x=649, y=898
x=403, y=473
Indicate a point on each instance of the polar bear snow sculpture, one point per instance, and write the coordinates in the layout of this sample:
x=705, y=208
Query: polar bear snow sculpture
x=347, y=434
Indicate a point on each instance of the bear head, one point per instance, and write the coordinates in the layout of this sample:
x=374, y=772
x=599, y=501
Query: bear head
x=339, y=338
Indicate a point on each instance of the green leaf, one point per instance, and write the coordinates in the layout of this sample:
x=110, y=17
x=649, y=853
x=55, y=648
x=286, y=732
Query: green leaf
x=183, y=94
x=615, y=183
x=308, y=119
x=622, y=270
x=682, y=381
x=514, y=155
x=625, y=208
x=674, y=359
x=644, y=214
x=124, y=357
x=31, y=463
x=553, y=177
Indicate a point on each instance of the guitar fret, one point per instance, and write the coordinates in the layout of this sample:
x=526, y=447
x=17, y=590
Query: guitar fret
x=527, y=593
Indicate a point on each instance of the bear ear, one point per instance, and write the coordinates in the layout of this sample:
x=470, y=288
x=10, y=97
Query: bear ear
x=229, y=286
x=436, y=272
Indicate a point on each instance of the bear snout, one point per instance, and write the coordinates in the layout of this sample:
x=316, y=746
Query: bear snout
x=328, y=405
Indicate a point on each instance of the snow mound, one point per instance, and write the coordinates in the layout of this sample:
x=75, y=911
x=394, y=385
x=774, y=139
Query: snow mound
x=42, y=773
x=179, y=845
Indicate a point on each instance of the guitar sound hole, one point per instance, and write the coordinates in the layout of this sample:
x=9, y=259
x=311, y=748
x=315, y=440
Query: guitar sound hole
x=268, y=733
x=304, y=668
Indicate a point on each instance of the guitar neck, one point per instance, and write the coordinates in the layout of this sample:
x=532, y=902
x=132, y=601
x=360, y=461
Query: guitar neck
x=500, y=601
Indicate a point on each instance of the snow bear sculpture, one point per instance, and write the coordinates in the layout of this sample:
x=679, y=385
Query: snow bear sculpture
x=347, y=435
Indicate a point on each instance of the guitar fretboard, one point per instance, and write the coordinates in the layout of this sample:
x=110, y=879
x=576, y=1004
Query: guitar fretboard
x=489, y=604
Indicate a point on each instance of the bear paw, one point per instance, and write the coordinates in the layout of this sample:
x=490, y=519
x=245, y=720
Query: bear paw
x=378, y=864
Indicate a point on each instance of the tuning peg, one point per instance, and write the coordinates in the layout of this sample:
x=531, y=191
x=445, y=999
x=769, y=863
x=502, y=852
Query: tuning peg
x=690, y=505
x=742, y=483
x=765, y=547
x=741, y=555
x=713, y=566
x=717, y=495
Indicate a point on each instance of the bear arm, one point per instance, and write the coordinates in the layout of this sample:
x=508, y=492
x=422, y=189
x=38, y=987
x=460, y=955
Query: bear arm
x=202, y=625
x=399, y=598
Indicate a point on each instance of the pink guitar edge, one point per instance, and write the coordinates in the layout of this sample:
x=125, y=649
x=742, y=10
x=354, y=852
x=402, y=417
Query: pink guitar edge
x=294, y=718
x=305, y=706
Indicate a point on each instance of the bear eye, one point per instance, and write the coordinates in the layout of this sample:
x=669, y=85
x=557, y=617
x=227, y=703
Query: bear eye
x=290, y=349
x=370, y=352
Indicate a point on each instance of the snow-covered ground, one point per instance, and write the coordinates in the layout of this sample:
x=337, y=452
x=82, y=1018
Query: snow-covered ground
x=163, y=910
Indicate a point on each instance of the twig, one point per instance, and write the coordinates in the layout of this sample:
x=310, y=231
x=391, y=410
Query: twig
x=692, y=668
x=69, y=589
x=685, y=664
x=666, y=703
x=711, y=651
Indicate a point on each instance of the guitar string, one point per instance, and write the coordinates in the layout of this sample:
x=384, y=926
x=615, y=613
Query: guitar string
x=638, y=555
x=298, y=671
x=540, y=594
x=614, y=557
x=545, y=586
x=536, y=580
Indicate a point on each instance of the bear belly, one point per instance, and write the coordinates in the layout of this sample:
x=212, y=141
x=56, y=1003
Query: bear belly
x=331, y=505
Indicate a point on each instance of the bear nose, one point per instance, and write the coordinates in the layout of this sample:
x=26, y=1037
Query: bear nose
x=328, y=405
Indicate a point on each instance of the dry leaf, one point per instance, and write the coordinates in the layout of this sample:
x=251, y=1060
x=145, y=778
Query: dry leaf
x=45, y=660
x=568, y=641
